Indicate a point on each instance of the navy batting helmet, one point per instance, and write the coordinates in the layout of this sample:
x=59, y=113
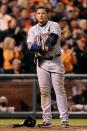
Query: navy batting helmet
x=29, y=122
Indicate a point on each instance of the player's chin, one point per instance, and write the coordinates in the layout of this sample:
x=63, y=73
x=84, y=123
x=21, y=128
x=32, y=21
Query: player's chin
x=41, y=20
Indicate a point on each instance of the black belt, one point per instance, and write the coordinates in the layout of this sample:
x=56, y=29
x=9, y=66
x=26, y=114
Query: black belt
x=52, y=57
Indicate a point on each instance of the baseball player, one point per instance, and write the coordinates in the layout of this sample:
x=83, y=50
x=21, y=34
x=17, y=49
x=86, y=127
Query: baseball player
x=44, y=40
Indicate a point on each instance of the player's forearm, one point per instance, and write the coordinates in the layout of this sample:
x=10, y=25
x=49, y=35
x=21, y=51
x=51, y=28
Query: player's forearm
x=37, y=48
x=34, y=47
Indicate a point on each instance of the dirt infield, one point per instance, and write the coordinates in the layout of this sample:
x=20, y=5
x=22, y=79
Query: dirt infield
x=54, y=128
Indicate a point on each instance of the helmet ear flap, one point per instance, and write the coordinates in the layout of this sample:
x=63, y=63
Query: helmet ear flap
x=30, y=121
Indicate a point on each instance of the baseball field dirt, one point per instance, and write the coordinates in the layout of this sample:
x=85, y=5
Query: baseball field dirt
x=53, y=128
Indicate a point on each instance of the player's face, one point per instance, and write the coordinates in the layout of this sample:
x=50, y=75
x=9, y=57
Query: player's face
x=41, y=16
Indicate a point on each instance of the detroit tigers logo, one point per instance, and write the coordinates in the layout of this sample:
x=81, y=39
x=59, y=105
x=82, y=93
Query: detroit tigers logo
x=41, y=38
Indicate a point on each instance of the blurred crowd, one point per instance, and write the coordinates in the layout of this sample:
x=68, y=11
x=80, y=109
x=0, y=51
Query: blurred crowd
x=4, y=105
x=17, y=16
x=78, y=100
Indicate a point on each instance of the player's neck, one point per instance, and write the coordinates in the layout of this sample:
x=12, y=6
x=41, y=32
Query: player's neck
x=43, y=24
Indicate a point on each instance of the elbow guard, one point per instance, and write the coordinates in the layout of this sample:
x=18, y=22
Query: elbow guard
x=52, y=40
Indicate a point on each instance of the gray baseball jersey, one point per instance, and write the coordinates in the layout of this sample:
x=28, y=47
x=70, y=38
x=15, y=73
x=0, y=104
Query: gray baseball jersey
x=38, y=34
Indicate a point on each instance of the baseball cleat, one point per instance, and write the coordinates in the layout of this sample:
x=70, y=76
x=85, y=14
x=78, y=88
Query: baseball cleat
x=65, y=124
x=44, y=125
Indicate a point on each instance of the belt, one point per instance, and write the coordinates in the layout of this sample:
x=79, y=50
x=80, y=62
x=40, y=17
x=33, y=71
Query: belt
x=52, y=57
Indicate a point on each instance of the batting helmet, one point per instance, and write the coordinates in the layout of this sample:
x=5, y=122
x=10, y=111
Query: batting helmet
x=28, y=122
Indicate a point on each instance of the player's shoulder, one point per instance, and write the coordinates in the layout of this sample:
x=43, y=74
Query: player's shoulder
x=33, y=28
x=53, y=23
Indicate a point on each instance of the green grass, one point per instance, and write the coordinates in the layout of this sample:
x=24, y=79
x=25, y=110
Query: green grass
x=81, y=122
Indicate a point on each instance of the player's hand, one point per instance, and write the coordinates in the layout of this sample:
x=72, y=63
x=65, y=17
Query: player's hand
x=46, y=48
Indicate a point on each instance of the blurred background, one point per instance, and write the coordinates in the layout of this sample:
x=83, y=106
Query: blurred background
x=16, y=17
